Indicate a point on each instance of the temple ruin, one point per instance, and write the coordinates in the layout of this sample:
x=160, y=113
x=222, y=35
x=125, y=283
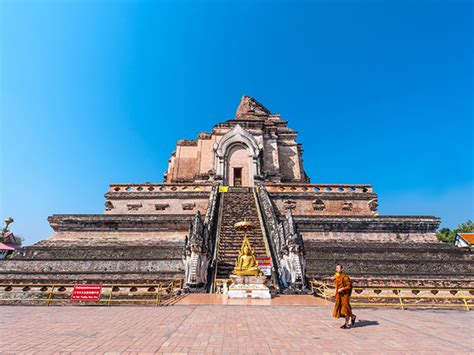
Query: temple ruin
x=250, y=168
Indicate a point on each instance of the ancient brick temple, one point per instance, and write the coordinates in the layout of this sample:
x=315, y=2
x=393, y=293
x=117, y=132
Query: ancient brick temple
x=249, y=167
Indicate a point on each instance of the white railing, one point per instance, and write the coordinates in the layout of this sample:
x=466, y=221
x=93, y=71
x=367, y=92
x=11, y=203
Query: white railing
x=319, y=188
x=143, y=188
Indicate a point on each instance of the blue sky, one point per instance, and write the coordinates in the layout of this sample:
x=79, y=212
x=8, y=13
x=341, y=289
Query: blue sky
x=98, y=92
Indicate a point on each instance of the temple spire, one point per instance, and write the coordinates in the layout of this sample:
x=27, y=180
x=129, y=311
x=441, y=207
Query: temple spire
x=251, y=109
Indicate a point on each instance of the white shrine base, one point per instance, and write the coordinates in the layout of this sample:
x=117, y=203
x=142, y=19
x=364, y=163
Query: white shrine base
x=248, y=287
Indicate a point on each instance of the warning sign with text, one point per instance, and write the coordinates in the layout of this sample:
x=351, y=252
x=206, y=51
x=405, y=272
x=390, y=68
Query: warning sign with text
x=265, y=264
x=86, y=293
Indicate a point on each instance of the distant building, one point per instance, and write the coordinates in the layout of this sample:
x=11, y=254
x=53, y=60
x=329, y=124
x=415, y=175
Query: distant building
x=464, y=240
x=9, y=244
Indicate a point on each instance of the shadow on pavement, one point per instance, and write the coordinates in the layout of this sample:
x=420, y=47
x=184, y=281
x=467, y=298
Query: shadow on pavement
x=365, y=323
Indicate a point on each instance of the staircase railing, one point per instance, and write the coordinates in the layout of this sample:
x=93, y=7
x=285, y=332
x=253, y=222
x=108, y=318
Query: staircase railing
x=269, y=222
x=210, y=217
x=216, y=233
x=266, y=242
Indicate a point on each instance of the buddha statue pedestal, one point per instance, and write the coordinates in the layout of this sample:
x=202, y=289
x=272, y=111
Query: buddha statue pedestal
x=248, y=287
x=248, y=280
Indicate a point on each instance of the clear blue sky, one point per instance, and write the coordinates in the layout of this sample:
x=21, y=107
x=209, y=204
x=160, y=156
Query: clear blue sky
x=98, y=92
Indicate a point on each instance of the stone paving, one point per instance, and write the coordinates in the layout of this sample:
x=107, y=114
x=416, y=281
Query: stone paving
x=230, y=330
x=282, y=300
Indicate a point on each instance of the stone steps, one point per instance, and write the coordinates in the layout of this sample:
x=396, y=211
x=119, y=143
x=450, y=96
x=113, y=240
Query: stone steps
x=237, y=205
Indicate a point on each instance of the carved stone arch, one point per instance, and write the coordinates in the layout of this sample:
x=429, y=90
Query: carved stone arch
x=237, y=137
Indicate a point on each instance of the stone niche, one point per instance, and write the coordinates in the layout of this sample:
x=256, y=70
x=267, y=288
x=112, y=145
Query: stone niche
x=308, y=204
x=109, y=206
x=319, y=205
x=289, y=204
x=184, y=205
x=161, y=206
x=189, y=206
x=134, y=206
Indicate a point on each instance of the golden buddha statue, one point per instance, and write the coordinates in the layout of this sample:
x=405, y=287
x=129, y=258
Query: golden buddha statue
x=246, y=264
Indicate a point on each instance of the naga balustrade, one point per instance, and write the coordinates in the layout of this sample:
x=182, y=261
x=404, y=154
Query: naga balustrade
x=215, y=283
x=266, y=239
x=402, y=297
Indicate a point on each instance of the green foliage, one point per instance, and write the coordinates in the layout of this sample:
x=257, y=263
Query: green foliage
x=467, y=227
x=447, y=235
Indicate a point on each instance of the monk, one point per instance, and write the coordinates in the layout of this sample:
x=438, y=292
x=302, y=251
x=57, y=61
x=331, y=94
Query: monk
x=342, y=308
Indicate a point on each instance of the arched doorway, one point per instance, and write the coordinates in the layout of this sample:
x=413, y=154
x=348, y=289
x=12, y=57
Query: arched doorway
x=237, y=158
x=238, y=166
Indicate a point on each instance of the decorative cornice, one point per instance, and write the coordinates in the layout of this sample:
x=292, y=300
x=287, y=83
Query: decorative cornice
x=323, y=195
x=156, y=195
x=243, y=123
x=393, y=224
x=382, y=247
x=130, y=223
x=187, y=142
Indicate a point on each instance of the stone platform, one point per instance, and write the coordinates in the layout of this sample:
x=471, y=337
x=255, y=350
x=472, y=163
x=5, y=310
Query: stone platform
x=95, y=261
x=370, y=263
x=248, y=287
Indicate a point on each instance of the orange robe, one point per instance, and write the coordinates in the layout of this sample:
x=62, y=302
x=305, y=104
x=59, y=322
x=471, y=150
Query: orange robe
x=342, y=308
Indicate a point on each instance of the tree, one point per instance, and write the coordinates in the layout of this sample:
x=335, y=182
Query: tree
x=467, y=227
x=447, y=235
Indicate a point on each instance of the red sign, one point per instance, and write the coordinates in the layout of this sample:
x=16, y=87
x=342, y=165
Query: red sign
x=265, y=264
x=86, y=292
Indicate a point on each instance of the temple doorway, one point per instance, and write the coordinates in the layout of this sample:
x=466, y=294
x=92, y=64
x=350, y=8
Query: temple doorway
x=237, y=176
x=238, y=166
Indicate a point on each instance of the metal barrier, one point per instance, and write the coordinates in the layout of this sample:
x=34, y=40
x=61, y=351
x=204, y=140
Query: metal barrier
x=162, y=293
x=403, y=297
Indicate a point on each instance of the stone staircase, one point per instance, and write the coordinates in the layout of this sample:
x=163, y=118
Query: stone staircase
x=237, y=204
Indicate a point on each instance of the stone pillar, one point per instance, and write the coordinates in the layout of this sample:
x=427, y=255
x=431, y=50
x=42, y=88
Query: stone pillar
x=219, y=165
x=272, y=161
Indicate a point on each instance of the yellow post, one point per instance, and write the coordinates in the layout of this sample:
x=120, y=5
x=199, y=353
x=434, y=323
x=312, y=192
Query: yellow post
x=326, y=291
x=399, y=293
x=158, y=290
x=464, y=299
x=50, y=295
x=110, y=294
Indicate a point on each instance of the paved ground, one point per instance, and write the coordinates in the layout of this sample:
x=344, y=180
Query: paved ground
x=281, y=300
x=230, y=329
